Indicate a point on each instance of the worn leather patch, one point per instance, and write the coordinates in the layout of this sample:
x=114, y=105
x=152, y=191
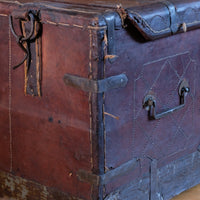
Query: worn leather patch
x=33, y=68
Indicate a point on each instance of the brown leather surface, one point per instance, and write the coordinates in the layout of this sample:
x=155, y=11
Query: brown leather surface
x=43, y=134
x=48, y=139
x=157, y=68
x=49, y=135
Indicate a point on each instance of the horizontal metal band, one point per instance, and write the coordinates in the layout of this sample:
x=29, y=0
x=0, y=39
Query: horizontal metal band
x=109, y=176
x=96, y=86
x=165, y=182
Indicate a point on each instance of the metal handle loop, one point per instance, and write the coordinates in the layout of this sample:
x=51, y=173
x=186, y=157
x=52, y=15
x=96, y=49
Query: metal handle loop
x=149, y=103
x=21, y=37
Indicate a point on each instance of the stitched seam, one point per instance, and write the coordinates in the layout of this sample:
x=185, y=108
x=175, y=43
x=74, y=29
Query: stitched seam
x=38, y=61
x=193, y=23
x=90, y=95
x=48, y=6
x=14, y=2
x=65, y=24
x=97, y=28
x=73, y=25
x=65, y=9
x=3, y=15
x=10, y=100
x=146, y=23
x=90, y=102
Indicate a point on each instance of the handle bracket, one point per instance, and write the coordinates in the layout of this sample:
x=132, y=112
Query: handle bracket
x=149, y=102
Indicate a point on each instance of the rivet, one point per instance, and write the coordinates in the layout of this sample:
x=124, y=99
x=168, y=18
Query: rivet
x=50, y=119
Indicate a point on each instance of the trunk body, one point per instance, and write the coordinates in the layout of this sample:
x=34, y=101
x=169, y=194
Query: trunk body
x=105, y=105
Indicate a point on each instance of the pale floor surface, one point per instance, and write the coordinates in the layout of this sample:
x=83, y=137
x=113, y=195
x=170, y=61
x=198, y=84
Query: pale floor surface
x=192, y=194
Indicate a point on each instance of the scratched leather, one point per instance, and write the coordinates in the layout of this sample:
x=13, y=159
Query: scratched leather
x=45, y=130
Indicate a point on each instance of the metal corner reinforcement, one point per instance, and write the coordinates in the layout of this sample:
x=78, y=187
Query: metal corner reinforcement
x=96, y=86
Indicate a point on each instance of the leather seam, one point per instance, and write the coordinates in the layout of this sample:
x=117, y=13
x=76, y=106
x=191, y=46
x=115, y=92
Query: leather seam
x=10, y=97
x=90, y=95
x=147, y=24
x=74, y=25
x=3, y=15
x=67, y=25
x=46, y=6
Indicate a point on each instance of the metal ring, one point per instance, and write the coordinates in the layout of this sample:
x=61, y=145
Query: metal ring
x=22, y=38
x=12, y=27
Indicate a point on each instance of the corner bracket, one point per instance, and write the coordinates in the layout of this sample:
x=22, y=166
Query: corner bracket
x=96, y=86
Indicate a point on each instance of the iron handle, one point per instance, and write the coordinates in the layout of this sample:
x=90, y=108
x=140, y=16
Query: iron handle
x=149, y=102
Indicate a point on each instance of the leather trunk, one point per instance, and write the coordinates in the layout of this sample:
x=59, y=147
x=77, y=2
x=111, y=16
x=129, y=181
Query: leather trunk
x=99, y=99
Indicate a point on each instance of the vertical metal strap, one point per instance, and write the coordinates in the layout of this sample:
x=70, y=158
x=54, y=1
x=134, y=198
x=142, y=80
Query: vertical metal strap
x=153, y=193
x=110, y=21
x=173, y=16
